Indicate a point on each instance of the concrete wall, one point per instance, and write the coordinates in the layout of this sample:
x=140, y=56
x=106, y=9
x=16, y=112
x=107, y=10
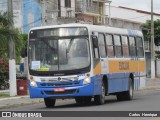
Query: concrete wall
x=158, y=68
x=17, y=13
x=31, y=11
x=67, y=12
x=120, y=23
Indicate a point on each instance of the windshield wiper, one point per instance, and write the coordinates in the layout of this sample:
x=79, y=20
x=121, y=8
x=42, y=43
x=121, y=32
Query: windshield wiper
x=70, y=44
x=52, y=48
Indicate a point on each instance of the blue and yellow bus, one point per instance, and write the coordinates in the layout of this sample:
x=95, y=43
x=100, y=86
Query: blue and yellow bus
x=83, y=61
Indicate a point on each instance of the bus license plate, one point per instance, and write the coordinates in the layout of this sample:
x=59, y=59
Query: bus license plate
x=59, y=89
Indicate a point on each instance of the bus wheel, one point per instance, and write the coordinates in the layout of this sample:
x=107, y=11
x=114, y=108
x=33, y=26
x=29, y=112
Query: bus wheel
x=100, y=99
x=127, y=95
x=49, y=102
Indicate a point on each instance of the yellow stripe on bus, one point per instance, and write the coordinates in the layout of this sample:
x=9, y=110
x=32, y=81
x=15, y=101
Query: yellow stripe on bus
x=97, y=69
x=119, y=66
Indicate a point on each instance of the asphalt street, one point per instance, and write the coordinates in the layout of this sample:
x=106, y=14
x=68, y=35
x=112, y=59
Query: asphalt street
x=144, y=100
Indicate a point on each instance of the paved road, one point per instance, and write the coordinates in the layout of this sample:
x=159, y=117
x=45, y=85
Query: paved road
x=144, y=100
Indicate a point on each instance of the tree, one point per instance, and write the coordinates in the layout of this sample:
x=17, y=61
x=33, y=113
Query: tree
x=147, y=33
x=5, y=33
x=147, y=25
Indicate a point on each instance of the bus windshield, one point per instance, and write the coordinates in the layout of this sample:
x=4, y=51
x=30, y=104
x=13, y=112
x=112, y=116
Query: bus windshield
x=59, y=53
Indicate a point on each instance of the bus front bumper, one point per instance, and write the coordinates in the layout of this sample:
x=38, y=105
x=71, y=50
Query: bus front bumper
x=69, y=92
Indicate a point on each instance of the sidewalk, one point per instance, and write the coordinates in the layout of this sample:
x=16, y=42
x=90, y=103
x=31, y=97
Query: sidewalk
x=152, y=83
x=25, y=100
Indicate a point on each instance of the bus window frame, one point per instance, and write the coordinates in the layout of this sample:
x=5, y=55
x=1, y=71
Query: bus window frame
x=125, y=46
x=139, y=46
x=116, y=45
x=132, y=46
x=93, y=48
x=110, y=45
x=104, y=44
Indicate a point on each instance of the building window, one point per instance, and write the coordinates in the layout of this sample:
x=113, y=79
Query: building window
x=68, y=3
x=125, y=47
x=109, y=44
x=118, y=47
x=132, y=46
x=102, y=49
x=140, y=50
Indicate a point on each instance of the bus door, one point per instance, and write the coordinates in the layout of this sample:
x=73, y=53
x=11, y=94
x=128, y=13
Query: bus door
x=141, y=62
x=102, y=52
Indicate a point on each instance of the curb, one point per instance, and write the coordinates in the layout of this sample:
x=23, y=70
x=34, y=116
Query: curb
x=151, y=88
x=20, y=104
x=12, y=98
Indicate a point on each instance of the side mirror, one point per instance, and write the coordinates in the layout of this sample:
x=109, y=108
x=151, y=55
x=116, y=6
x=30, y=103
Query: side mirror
x=95, y=41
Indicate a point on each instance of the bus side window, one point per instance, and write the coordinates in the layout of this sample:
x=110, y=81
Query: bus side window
x=132, y=46
x=95, y=47
x=101, y=43
x=109, y=44
x=140, y=50
x=118, y=46
x=125, y=47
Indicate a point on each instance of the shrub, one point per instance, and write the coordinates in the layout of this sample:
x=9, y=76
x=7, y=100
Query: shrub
x=4, y=70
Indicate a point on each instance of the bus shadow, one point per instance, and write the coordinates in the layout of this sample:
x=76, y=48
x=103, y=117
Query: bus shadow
x=75, y=105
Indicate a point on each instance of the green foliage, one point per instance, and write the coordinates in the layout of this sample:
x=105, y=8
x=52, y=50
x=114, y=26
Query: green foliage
x=147, y=33
x=6, y=33
x=158, y=54
x=4, y=69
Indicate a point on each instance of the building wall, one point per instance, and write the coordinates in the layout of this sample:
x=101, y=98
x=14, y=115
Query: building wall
x=67, y=12
x=17, y=12
x=128, y=14
x=158, y=68
x=3, y=5
x=31, y=11
x=51, y=12
x=82, y=18
x=120, y=23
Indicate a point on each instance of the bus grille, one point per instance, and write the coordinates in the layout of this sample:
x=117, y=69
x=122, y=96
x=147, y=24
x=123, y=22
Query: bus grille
x=59, y=93
x=59, y=84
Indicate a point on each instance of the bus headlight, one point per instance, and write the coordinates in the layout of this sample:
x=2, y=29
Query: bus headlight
x=87, y=80
x=32, y=82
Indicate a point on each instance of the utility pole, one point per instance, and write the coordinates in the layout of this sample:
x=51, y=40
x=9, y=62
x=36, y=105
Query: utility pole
x=152, y=44
x=44, y=17
x=12, y=63
x=109, y=12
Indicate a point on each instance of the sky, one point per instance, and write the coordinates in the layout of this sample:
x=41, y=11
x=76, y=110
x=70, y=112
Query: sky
x=138, y=4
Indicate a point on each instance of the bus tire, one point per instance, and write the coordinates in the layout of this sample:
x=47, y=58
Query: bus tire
x=49, y=102
x=100, y=99
x=127, y=95
x=83, y=100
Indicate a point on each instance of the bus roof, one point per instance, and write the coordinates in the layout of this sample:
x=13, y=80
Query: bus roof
x=97, y=28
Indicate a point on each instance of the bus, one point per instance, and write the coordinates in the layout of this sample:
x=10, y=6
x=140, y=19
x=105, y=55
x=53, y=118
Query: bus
x=82, y=62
